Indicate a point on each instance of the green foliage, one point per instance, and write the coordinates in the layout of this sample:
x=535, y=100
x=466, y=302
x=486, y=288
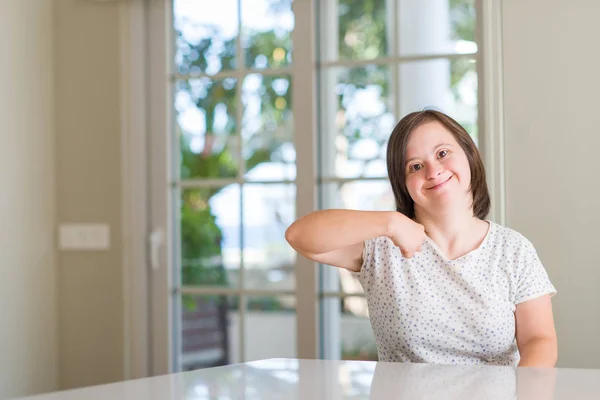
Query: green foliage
x=265, y=44
x=201, y=237
x=462, y=16
x=362, y=27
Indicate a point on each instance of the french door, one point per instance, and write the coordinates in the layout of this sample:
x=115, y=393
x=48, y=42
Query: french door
x=261, y=111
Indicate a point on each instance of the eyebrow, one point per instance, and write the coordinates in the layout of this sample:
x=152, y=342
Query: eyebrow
x=433, y=151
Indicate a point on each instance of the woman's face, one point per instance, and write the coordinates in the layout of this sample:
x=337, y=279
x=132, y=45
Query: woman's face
x=438, y=175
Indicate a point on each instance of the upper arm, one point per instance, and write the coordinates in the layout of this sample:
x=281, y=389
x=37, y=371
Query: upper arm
x=534, y=320
x=349, y=258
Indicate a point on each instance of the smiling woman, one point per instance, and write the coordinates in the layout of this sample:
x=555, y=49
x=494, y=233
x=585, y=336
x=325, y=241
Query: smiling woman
x=439, y=147
x=443, y=284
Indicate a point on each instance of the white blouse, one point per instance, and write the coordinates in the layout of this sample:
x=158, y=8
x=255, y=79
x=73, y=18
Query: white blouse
x=434, y=310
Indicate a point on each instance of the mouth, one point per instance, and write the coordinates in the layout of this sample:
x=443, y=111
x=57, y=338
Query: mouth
x=442, y=184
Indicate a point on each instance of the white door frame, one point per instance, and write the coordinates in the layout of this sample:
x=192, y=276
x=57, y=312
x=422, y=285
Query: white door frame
x=491, y=119
x=134, y=188
x=146, y=338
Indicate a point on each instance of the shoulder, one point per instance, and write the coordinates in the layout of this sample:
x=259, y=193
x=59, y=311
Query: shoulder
x=506, y=237
x=378, y=250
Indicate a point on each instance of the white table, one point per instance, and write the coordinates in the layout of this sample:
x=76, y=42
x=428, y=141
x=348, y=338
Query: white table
x=319, y=379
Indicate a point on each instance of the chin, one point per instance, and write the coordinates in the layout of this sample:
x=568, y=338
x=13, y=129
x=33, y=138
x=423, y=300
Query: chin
x=446, y=201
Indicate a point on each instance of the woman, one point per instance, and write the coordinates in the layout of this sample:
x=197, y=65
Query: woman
x=443, y=284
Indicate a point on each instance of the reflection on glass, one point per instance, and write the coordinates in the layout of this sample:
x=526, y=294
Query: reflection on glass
x=210, y=236
x=447, y=85
x=357, y=121
x=436, y=27
x=315, y=379
x=267, y=128
x=268, y=209
x=540, y=383
x=266, y=33
x=208, y=331
x=206, y=127
x=206, y=34
x=427, y=381
x=270, y=327
x=363, y=29
x=264, y=379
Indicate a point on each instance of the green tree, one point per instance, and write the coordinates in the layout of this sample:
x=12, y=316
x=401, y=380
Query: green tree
x=201, y=237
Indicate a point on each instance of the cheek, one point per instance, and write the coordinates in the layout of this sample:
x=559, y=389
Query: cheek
x=412, y=185
x=467, y=170
x=461, y=166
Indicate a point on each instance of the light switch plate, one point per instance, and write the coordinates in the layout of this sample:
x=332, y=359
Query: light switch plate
x=84, y=237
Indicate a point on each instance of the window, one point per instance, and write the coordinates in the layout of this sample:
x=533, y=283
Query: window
x=378, y=61
x=234, y=181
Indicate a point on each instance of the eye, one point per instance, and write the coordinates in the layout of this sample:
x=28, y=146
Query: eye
x=415, y=167
x=442, y=153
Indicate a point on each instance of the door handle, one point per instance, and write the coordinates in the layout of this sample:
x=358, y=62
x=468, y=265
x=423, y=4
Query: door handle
x=156, y=239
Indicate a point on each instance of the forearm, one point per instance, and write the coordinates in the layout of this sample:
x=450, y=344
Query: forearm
x=327, y=230
x=541, y=352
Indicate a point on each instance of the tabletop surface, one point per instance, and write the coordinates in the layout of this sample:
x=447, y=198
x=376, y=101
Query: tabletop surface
x=324, y=379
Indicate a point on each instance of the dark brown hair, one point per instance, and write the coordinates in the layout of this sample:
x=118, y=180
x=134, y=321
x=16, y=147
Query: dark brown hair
x=396, y=160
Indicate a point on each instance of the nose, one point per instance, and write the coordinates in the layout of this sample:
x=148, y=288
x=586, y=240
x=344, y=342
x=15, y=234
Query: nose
x=434, y=169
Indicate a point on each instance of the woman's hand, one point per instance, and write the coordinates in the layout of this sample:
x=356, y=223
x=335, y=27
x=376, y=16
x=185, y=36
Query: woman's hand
x=406, y=234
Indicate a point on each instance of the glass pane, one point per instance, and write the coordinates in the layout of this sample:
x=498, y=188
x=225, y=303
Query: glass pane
x=357, y=340
x=270, y=328
x=356, y=121
x=348, y=283
x=362, y=32
x=268, y=259
x=347, y=329
x=436, y=27
x=210, y=236
x=447, y=85
x=208, y=331
x=266, y=33
x=373, y=195
x=206, y=128
x=206, y=33
x=267, y=128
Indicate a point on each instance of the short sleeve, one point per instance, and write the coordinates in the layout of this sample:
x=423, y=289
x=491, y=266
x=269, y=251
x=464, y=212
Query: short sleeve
x=532, y=278
x=368, y=258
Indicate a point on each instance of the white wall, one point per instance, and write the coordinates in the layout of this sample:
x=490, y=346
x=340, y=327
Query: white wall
x=88, y=189
x=28, y=316
x=552, y=127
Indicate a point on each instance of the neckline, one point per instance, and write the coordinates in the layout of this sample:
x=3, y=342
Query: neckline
x=466, y=255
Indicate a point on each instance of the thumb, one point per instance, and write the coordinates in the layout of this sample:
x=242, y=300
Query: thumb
x=407, y=253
